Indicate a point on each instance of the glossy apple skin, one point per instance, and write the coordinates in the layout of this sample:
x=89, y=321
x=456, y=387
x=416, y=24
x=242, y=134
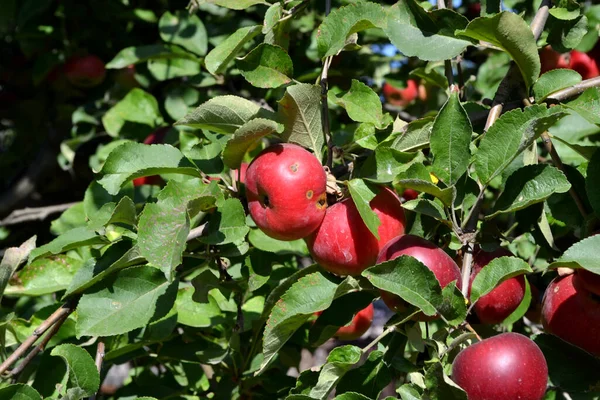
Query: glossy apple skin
x=572, y=313
x=410, y=194
x=494, y=307
x=240, y=173
x=285, y=188
x=358, y=326
x=344, y=245
x=503, y=367
x=158, y=136
x=551, y=59
x=85, y=72
x=589, y=280
x=401, y=97
x=441, y=264
x=584, y=64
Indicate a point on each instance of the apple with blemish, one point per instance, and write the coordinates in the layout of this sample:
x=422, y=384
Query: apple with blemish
x=497, y=305
x=506, y=366
x=344, y=245
x=85, y=72
x=572, y=312
x=437, y=260
x=286, y=191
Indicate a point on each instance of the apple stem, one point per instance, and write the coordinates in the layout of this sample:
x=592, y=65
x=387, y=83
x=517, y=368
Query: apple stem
x=574, y=90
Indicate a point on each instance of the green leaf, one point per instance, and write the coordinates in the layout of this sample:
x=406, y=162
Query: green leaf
x=351, y=396
x=124, y=212
x=300, y=112
x=553, y=81
x=417, y=177
x=70, y=240
x=343, y=22
x=73, y=217
x=276, y=32
x=384, y=164
x=523, y=307
x=569, y=367
x=454, y=305
x=19, y=391
x=510, y=135
x=363, y=105
x=368, y=380
x=84, y=379
x=197, y=315
x=591, y=182
x=185, y=30
x=308, y=294
x=235, y=4
x=244, y=137
x=339, y=361
x=165, y=225
x=138, y=54
x=44, y=276
x=430, y=75
x=13, y=257
x=217, y=60
x=362, y=195
x=227, y=224
x=224, y=114
x=450, y=139
x=583, y=254
x=439, y=386
x=408, y=278
x=165, y=69
x=495, y=272
x=427, y=35
x=136, y=296
x=266, y=66
x=261, y=241
x=512, y=34
x=529, y=185
x=565, y=10
x=179, y=100
x=565, y=35
x=587, y=105
x=408, y=392
x=118, y=256
x=427, y=207
x=136, y=116
x=134, y=160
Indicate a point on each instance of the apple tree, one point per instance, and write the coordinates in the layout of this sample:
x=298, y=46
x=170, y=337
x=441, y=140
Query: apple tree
x=296, y=199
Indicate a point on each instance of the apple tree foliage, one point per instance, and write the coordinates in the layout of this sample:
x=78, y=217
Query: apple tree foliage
x=177, y=281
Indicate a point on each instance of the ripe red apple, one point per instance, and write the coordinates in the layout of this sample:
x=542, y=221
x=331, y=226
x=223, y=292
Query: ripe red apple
x=240, y=173
x=503, y=367
x=589, y=280
x=358, y=326
x=494, y=307
x=441, y=264
x=285, y=187
x=572, y=313
x=584, y=64
x=410, y=194
x=551, y=59
x=401, y=97
x=85, y=72
x=158, y=136
x=344, y=245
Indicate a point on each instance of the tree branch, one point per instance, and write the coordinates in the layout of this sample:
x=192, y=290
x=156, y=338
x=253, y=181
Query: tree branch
x=56, y=316
x=574, y=90
x=32, y=214
x=324, y=104
x=197, y=232
x=100, y=352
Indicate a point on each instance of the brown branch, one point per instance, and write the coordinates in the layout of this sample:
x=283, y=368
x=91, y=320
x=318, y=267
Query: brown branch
x=56, y=316
x=574, y=90
x=100, y=349
x=32, y=214
x=40, y=347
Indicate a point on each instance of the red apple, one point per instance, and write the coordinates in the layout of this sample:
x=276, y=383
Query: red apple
x=441, y=264
x=358, y=326
x=344, y=245
x=126, y=77
x=85, y=71
x=572, y=313
x=494, y=307
x=285, y=187
x=401, y=97
x=240, y=173
x=584, y=64
x=589, y=280
x=503, y=367
x=410, y=194
x=158, y=136
x=551, y=59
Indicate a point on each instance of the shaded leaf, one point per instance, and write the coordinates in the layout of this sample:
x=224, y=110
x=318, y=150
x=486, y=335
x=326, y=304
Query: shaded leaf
x=266, y=66
x=362, y=195
x=440, y=386
x=138, y=54
x=184, y=29
x=84, y=379
x=415, y=135
x=72, y=239
x=363, y=105
x=217, y=60
x=19, y=391
x=244, y=137
x=13, y=257
x=44, y=276
x=339, y=361
x=591, y=182
x=583, y=254
x=227, y=224
x=553, y=81
x=427, y=207
x=587, y=105
x=368, y=380
x=135, y=116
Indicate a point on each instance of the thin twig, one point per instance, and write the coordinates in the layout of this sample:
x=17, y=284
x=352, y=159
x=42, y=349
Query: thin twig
x=40, y=347
x=460, y=339
x=379, y=338
x=470, y=329
x=33, y=214
x=324, y=104
x=100, y=352
x=197, y=232
x=574, y=90
x=57, y=315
